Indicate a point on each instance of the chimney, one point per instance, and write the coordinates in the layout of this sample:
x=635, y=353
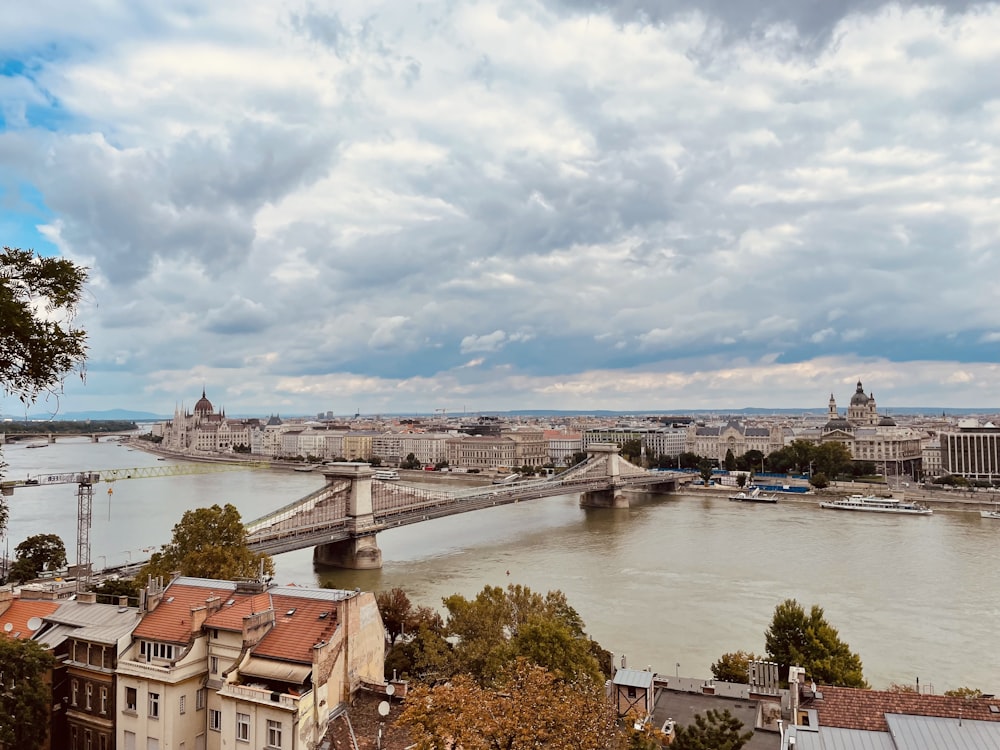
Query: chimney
x=6, y=597
x=87, y=597
x=122, y=601
x=198, y=617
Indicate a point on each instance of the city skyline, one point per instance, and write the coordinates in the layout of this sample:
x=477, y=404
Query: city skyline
x=546, y=204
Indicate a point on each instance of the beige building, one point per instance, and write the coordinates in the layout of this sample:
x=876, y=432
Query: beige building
x=481, y=452
x=530, y=446
x=738, y=437
x=215, y=664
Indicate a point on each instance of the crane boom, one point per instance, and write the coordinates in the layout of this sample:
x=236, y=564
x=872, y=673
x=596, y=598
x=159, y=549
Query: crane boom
x=85, y=481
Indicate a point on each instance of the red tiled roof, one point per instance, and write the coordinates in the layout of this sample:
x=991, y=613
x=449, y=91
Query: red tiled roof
x=171, y=620
x=230, y=617
x=293, y=636
x=852, y=708
x=18, y=614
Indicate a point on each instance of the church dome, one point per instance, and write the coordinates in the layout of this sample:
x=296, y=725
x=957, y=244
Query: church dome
x=859, y=398
x=887, y=421
x=839, y=423
x=204, y=406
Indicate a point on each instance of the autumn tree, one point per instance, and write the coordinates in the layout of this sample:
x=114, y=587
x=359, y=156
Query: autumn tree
x=716, y=730
x=25, y=696
x=528, y=708
x=38, y=344
x=208, y=543
x=400, y=616
x=832, y=458
x=733, y=666
x=35, y=554
x=809, y=641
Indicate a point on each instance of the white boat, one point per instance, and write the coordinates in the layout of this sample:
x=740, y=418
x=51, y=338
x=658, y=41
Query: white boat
x=995, y=513
x=754, y=496
x=872, y=504
x=386, y=475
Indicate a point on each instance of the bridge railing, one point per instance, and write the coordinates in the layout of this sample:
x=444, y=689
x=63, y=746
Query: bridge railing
x=292, y=509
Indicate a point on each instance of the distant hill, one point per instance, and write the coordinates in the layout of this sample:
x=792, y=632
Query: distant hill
x=83, y=416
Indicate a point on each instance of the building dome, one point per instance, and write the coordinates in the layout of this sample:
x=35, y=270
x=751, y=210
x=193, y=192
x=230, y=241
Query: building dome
x=887, y=421
x=839, y=423
x=859, y=398
x=204, y=406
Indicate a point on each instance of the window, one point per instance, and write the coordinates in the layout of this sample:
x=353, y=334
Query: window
x=74, y=691
x=90, y=696
x=199, y=699
x=103, y=742
x=104, y=700
x=243, y=727
x=273, y=733
x=131, y=699
x=182, y=703
x=156, y=650
x=213, y=663
x=154, y=705
x=214, y=720
x=74, y=737
x=88, y=740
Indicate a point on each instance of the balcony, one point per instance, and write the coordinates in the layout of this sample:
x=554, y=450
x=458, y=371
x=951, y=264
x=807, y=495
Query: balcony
x=260, y=695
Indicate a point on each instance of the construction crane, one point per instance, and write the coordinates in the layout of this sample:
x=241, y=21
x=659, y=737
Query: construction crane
x=85, y=481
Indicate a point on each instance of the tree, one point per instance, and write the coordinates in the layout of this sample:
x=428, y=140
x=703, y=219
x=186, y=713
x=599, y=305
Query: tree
x=752, y=460
x=965, y=692
x=716, y=730
x=832, y=458
x=705, y=470
x=110, y=590
x=25, y=697
x=733, y=666
x=688, y=460
x=38, y=344
x=37, y=553
x=500, y=625
x=810, y=642
x=801, y=453
x=410, y=462
x=632, y=450
x=425, y=656
x=528, y=708
x=741, y=480
x=819, y=481
x=208, y=543
x=396, y=610
x=730, y=460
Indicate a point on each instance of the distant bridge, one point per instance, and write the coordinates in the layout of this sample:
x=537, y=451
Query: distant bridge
x=50, y=437
x=341, y=519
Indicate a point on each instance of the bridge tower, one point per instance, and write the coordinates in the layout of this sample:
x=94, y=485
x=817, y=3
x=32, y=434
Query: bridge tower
x=361, y=551
x=612, y=497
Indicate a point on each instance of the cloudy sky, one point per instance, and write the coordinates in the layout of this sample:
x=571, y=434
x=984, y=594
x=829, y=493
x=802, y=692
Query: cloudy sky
x=565, y=204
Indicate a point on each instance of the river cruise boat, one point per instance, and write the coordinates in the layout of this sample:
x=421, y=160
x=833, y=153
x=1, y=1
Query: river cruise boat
x=754, y=496
x=872, y=504
x=386, y=475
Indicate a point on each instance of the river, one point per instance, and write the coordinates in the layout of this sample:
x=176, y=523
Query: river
x=673, y=582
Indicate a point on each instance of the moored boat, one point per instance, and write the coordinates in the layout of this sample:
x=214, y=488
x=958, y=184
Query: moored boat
x=754, y=496
x=386, y=475
x=872, y=504
x=994, y=513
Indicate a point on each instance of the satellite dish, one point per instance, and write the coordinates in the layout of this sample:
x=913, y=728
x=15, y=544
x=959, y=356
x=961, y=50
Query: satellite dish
x=383, y=708
x=8, y=627
x=390, y=690
x=34, y=623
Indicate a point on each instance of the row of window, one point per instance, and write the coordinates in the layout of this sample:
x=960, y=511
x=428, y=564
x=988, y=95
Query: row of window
x=153, y=705
x=243, y=727
x=88, y=696
x=156, y=650
x=84, y=739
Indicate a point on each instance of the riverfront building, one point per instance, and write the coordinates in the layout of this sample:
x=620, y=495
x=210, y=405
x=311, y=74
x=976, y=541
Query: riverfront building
x=971, y=451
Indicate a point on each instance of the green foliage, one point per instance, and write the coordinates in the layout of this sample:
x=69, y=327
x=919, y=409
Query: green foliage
x=410, y=462
x=733, y=666
x=819, y=481
x=965, y=692
x=741, y=480
x=424, y=656
x=25, y=695
x=705, y=470
x=689, y=460
x=832, y=458
x=208, y=543
x=716, y=730
x=38, y=344
x=37, y=553
x=109, y=591
x=751, y=460
x=631, y=450
x=500, y=625
x=730, y=460
x=810, y=642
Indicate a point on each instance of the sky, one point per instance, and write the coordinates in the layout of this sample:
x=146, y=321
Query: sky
x=394, y=207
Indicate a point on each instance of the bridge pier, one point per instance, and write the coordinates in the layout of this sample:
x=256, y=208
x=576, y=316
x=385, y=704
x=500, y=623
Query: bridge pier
x=609, y=498
x=52, y=438
x=361, y=551
x=95, y=438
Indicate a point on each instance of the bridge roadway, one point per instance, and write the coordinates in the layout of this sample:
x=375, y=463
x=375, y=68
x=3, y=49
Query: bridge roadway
x=322, y=516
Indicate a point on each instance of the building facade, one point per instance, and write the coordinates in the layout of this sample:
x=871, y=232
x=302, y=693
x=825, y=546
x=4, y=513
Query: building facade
x=971, y=451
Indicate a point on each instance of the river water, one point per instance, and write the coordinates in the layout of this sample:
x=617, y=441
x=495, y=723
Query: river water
x=672, y=582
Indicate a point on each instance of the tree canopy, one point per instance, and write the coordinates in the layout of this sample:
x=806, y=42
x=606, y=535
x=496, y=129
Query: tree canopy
x=25, y=697
x=528, y=708
x=716, y=730
x=733, y=666
x=208, y=543
x=809, y=641
x=38, y=344
x=35, y=554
